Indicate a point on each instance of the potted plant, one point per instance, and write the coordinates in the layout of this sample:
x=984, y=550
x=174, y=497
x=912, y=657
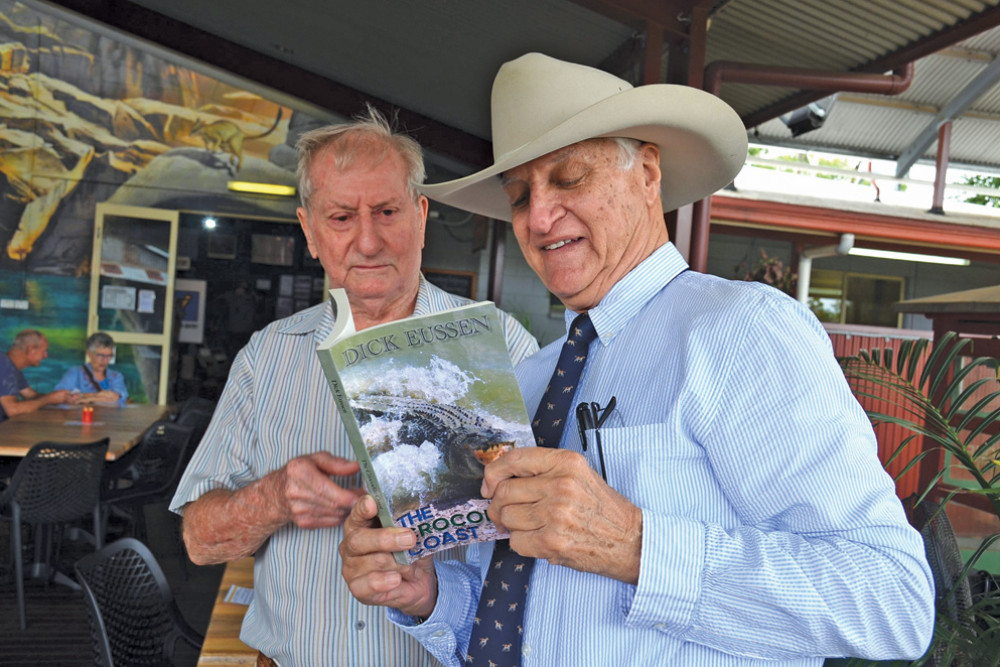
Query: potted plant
x=768, y=270
x=949, y=400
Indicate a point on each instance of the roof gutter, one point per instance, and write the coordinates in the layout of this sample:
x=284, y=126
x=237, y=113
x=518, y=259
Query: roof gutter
x=795, y=77
x=789, y=77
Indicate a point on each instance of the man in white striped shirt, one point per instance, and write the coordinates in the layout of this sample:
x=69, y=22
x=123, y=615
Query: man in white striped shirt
x=274, y=475
x=735, y=512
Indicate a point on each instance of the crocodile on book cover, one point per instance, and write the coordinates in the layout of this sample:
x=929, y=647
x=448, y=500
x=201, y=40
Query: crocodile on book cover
x=427, y=402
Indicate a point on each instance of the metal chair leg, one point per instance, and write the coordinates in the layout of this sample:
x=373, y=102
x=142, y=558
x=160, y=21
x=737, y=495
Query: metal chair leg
x=98, y=528
x=18, y=563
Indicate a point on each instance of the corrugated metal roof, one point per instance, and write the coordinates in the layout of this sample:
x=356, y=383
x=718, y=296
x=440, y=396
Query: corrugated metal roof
x=846, y=35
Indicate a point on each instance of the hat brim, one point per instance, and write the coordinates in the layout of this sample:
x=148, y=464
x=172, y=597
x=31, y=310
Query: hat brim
x=703, y=145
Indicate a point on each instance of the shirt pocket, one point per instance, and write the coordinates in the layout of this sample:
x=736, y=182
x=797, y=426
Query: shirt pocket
x=655, y=468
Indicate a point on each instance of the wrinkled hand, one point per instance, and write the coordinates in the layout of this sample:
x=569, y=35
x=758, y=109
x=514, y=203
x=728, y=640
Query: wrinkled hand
x=106, y=396
x=371, y=571
x=558, y=508
x=311, y=498
x=103, y=396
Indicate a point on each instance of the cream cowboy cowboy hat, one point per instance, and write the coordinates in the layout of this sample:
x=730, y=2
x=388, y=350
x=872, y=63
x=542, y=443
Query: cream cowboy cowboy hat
x=541, y=104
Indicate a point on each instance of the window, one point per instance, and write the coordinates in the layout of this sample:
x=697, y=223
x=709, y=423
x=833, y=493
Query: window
x=270, y=249
x=855, y=298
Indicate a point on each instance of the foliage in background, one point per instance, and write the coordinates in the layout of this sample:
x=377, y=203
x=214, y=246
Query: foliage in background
x=822, y=312
x=985, y=182
x=837, y=163
x=769, y=270
x=953, y=402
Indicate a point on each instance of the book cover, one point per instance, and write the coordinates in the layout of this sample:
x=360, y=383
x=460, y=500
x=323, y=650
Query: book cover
x=427, y=402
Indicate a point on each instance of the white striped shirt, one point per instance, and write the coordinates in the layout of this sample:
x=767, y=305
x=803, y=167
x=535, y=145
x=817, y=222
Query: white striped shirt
x=277, y=406
x=770, y=530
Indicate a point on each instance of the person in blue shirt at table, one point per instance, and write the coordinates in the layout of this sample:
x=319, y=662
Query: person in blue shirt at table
x=94, y=382
x=17, y=397
x=743, y=516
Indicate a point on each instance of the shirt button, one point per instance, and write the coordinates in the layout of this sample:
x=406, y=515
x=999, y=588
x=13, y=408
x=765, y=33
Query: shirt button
x=439, y=633
x=525, y=650
x=359, y=625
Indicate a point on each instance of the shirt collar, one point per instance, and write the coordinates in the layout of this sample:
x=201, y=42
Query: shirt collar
x=316, y=318
x=319, y=319
x=423, y=305
x=631, y=293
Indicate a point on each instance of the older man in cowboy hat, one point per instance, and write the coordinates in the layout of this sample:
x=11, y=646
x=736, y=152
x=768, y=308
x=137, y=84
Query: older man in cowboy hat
x=730, y=509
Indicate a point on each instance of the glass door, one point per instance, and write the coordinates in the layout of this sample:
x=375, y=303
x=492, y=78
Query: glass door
x=132, y=293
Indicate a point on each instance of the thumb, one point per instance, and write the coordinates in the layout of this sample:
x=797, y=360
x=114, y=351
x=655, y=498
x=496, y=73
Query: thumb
x=336, y=465
x=363, y=512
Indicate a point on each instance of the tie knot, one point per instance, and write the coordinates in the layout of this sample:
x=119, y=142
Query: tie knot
x=582, y=329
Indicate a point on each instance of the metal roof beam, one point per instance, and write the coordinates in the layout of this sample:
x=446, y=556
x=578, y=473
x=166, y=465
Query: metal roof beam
x=962, y=101
x=975, y=24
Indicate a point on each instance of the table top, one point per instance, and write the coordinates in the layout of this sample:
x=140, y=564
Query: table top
x=222, y=645
x=124, y=427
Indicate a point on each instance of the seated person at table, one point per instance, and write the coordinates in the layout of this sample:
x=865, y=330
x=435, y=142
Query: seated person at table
x=29, y=348
x=94, y=382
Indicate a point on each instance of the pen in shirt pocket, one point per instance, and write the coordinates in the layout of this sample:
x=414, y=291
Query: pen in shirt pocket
x=591, y=417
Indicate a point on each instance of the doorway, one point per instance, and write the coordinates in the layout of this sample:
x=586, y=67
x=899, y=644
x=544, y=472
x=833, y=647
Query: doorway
x=248, y=273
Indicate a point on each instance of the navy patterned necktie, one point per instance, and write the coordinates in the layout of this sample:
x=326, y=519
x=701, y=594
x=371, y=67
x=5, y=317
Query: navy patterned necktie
x=496, y=634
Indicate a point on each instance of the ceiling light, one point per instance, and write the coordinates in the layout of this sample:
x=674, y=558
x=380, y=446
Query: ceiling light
x=907, y=256
x=262, y=188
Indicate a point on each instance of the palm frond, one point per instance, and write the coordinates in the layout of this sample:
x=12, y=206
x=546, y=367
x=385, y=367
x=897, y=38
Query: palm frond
x=938, y=394
x=943, y=400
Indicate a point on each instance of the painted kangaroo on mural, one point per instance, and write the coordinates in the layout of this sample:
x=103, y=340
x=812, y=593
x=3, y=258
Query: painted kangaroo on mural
x=227, y=136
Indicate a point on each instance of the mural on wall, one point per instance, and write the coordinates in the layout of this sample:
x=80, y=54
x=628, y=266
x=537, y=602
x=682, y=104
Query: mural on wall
x=84, y=119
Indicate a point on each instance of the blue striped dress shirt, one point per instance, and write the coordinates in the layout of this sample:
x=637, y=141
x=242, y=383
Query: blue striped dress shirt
x=277, y=406
x=771, y=534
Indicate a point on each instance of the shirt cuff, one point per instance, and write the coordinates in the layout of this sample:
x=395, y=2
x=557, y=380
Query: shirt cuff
x=450, y=624
x=670, y=572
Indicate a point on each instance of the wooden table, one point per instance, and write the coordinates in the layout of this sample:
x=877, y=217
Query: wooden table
x=124, y=426
x=222, y=639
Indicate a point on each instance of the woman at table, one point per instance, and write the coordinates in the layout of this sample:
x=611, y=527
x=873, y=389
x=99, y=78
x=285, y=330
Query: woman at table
x=94, y=381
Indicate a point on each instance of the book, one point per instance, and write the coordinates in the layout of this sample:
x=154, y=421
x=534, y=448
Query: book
x=427, y=402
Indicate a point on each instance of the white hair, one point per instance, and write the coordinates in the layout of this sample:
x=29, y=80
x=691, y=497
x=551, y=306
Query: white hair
x=628, y=151
x=369, y=136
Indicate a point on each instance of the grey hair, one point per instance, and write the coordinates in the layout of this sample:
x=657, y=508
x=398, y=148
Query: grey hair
x=99, y=340
x=370, y=136
x=27, y=338
x=628, y=151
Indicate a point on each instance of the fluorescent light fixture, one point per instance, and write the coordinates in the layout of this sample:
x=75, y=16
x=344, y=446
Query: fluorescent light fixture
x=262, y=188
x=907, y=256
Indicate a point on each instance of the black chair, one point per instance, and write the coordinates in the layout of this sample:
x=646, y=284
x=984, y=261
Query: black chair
x=953, y=594
x=197, y=420
x=195, y=403
x=53, y=484
x=148, y=474
x=134, y=619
